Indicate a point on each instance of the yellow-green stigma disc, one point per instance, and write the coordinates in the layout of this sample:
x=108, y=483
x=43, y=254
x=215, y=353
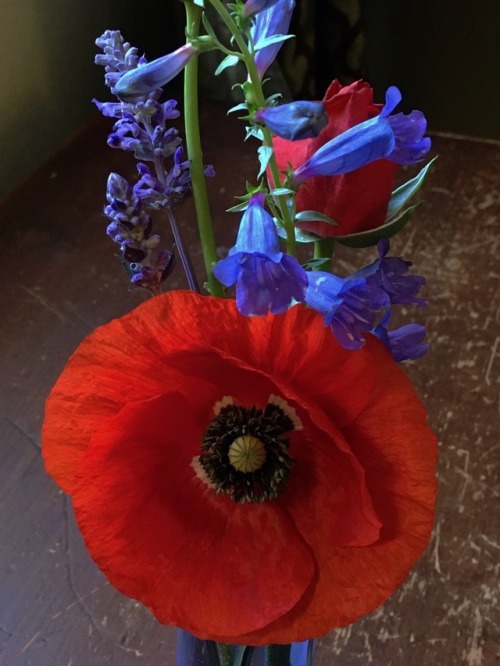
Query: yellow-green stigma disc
x=247, y=454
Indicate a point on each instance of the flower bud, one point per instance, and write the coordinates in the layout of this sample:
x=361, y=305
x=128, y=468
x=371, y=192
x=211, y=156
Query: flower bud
x=139, y=82
x=297, y=120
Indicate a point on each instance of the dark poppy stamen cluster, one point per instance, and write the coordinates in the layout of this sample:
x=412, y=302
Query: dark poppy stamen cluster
x=266, y=427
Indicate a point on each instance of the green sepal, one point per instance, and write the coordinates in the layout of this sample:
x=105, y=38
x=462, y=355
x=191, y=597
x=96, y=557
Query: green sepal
x=314, y=216
x=386, y=230
x=401, y=195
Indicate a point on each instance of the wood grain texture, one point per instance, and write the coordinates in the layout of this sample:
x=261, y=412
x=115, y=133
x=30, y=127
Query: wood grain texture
x=61, y=280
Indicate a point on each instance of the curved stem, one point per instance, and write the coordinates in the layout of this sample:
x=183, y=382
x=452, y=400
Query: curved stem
x=260, y=101
x=195, y=155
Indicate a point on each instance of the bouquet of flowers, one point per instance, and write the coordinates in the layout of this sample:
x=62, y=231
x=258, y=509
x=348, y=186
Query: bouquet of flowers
x=247, y=459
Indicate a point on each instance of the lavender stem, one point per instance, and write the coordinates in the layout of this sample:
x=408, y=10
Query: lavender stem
x=181, y=248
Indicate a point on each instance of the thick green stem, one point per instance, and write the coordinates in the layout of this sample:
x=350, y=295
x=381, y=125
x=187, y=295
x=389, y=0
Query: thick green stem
x=195, y=155
x=260, y=101
x=323, y=249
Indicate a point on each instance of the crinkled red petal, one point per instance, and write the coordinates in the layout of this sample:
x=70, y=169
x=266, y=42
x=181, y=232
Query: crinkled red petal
x=129, y=359
x=150, y=524
x=162, y=536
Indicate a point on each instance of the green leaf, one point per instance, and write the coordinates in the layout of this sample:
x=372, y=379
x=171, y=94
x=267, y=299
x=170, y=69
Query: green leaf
x=238, y=208
x=388, y=229
x=265, y=154
x=238, y=107
x=314, y=216
x=229, y=61
x=271, y=40
x=300, y=236
x=403, y=193
x=280, y=191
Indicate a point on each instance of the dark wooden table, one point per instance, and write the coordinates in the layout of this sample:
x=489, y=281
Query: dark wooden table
x=60, y=280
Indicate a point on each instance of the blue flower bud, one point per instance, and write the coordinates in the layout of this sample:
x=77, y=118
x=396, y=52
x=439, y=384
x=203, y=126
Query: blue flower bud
x=297, y=120
x=275, y=20
x=398, y=138
x=141, y=81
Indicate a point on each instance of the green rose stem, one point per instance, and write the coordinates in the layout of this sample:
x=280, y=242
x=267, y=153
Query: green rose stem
x=195, y=154
x=323, y=249
x=260, y=102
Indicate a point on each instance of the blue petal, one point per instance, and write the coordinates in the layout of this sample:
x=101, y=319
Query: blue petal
x=228, y=269
x=268, y=23
x=359, y=145
x=392, y=99
x=257, y=232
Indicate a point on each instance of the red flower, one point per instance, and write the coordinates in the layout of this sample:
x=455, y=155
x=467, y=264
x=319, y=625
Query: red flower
x=123, y=432
x=357, y=200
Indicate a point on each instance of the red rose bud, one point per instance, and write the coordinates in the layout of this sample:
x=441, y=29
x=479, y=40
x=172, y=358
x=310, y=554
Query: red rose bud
x=138, y=83
x=357, y=200
x=297, y=120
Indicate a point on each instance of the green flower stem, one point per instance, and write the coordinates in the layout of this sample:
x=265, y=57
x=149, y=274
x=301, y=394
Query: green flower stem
x=260, y=101
x=323, y=249
x=195, y=155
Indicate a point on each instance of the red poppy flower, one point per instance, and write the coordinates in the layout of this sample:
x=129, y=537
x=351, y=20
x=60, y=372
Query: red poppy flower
x=248, y=479
x=358, y=200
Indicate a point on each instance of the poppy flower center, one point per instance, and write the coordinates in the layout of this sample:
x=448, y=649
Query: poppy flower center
x=247, y=454
x=244, y=453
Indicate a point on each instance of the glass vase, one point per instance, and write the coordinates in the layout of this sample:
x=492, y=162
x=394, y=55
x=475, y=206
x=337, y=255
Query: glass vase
x=192, y=651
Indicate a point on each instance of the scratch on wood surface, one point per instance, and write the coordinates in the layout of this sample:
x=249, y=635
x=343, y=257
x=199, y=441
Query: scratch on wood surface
x=474, y=657
x=435, y=550
x=494, y=544
x=24, y=432
x=48, y=306
x=491, y=360
x=369, y=654
x=32, y=640
x=77, y=602
x=465, y=471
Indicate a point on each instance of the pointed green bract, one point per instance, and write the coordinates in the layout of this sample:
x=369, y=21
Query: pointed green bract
x=404, y=193
x=388, y=229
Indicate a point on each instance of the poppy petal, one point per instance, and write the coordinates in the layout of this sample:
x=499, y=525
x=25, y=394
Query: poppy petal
x=197, y=559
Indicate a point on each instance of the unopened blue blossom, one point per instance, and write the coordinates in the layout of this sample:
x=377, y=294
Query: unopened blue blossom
x=138, y=83
x=391, y=275
x=398, y=138
x=267, y=279
x=252, y=7
x=297, y=120
x=406, y=342
x=349, y=306
x=273, y=21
